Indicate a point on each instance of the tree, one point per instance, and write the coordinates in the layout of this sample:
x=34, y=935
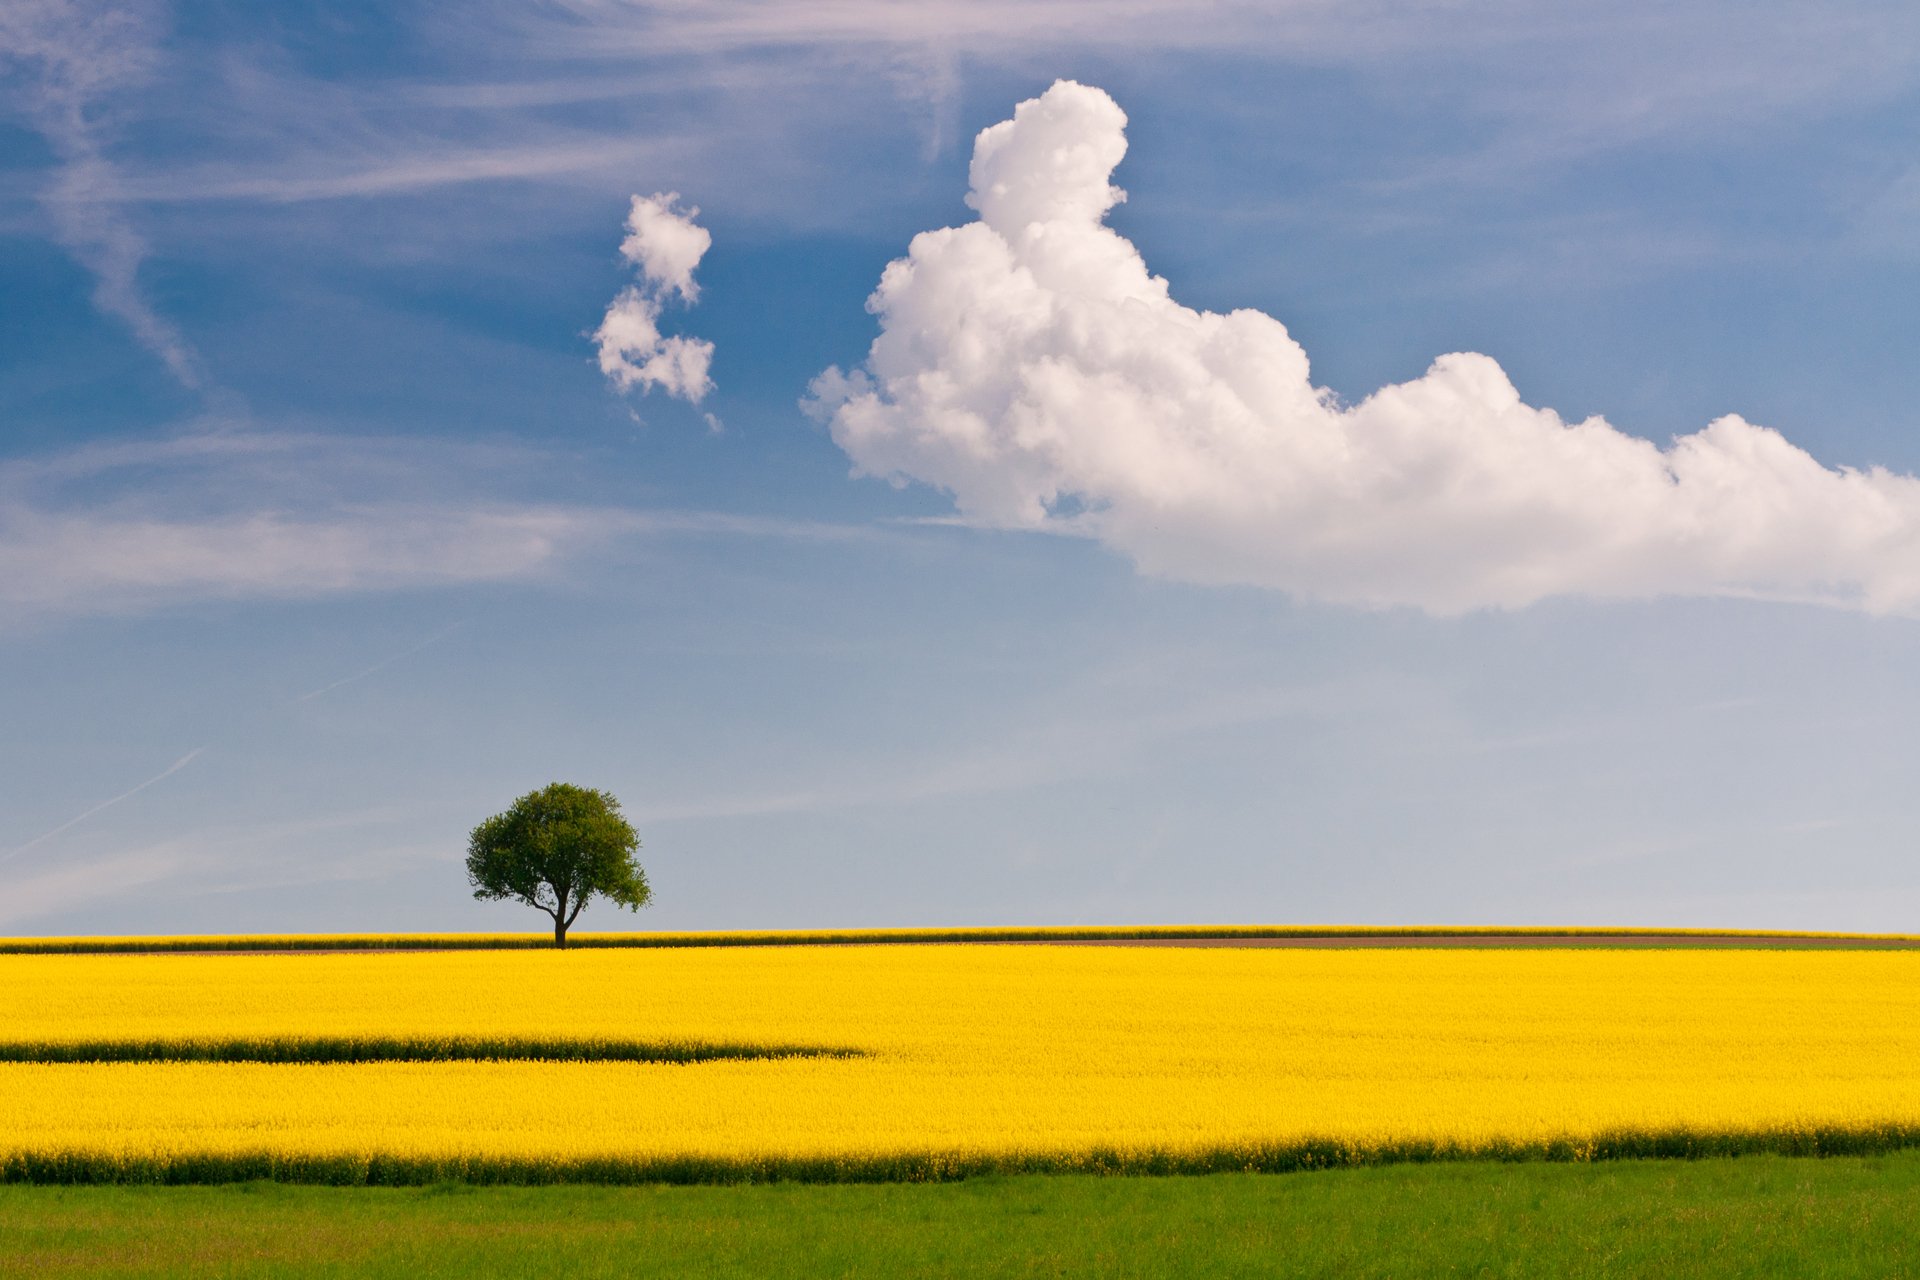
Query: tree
x=555, y=849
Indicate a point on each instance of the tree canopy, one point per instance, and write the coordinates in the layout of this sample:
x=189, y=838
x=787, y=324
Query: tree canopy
x=556, y=849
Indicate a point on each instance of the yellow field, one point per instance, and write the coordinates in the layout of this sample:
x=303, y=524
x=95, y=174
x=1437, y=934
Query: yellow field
x=974, y=1057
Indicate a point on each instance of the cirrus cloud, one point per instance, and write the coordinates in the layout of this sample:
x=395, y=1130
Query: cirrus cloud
x=1031, y=366
x=75, y=58
x=234, y=514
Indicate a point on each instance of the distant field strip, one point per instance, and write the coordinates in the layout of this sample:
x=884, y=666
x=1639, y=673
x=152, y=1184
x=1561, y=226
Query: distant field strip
x=970, y=1059
x=379, y=1048
x=1359, y=935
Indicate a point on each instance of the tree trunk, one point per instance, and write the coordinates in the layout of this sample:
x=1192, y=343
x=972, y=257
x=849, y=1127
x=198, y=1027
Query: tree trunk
x=560, y=933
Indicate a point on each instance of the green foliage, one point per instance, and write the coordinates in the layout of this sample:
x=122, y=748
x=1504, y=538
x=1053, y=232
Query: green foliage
x=556, y=849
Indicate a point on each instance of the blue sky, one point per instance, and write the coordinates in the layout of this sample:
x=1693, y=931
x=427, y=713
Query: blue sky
x=309, y=478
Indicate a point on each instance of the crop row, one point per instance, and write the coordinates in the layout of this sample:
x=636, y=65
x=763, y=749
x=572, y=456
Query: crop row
x=1299, y=1155
x=387, y=1048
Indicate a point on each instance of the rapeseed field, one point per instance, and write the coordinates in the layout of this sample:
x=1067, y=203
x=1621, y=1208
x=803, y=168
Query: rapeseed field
x=934, y=1060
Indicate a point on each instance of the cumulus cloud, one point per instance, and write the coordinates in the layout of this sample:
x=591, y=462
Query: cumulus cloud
x=1030, y=365
x=634, y=353
x=665, y=245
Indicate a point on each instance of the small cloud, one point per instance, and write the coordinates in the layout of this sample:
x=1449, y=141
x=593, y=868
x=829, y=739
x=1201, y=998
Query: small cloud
x=634, y=353
x=665, y=245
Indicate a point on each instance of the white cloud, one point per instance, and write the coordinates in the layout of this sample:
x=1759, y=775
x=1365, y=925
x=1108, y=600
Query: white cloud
x=665, y=245
x=634, y=353
x=1031, y=366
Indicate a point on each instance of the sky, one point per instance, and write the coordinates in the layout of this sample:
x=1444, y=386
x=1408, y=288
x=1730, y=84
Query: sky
x=962, y=463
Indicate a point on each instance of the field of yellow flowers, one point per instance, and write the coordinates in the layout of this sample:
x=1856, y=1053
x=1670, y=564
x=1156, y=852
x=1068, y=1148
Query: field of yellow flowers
x=927, y=1061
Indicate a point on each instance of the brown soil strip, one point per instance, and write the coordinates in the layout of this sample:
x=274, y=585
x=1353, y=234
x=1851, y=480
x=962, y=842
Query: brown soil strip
x=1770, y=941
x=1324, y=941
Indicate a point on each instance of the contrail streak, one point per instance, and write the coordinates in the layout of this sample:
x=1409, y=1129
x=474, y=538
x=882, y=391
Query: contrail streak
x=71, y=823
x=383, y=664
x=188, y=758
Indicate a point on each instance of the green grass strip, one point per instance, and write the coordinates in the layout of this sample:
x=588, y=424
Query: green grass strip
x=376, y=1168
x=842, y=937
x=1754, y=1217
x=313, y=1049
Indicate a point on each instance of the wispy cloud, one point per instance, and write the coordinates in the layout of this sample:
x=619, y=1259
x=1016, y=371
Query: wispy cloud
x=75, y=61
x=743, y=100
x=330, y=177
x=237, y=514
x=226, y=859
x=251, y=514
x=109, y=563
x=1567, y=77
x=624, y=28
x=82, y=883
x=1079, y=735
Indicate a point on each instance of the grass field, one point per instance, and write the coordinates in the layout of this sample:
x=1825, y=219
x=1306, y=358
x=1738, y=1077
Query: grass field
x=1752, y=1216
x=954, y=1060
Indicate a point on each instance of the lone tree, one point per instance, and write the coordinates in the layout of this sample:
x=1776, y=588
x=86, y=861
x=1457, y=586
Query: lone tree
x=555, y=849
